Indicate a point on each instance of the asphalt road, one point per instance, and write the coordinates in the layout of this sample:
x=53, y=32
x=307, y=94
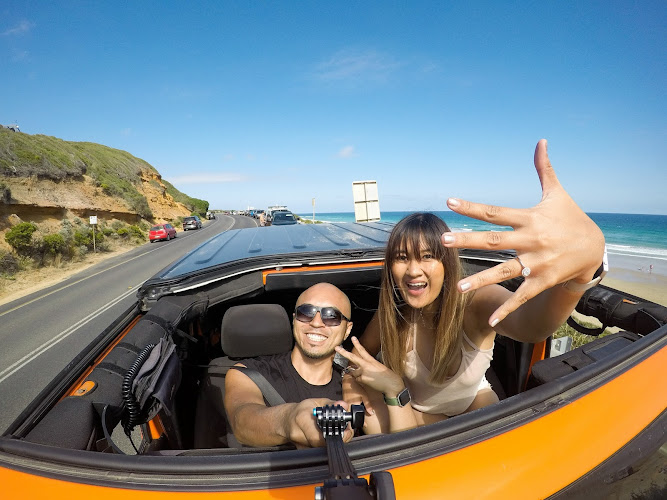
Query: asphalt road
x=42, y=332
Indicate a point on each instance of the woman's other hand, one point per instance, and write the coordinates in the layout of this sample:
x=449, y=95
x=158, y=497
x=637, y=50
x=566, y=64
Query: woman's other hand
x=555, y=239
x=368, y=371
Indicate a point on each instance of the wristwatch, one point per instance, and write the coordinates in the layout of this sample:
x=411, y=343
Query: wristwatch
x=573, y=286
x=401, y=399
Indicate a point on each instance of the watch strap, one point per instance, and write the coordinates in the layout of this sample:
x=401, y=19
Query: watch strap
x=401, y=399
x=573, y=286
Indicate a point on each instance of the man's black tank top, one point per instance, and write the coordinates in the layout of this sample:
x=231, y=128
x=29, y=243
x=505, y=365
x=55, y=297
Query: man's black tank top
x=281, y=374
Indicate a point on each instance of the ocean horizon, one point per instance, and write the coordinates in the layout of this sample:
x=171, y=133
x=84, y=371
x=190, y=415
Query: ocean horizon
x=642, y=237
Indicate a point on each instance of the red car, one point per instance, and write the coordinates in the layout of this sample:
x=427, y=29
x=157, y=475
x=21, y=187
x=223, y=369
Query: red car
x=162, y=232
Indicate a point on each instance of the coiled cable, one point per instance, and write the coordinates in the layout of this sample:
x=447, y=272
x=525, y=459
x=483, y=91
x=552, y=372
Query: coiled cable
x=132, y=409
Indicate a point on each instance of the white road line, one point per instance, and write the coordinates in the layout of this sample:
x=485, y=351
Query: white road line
x=10, y=370
x=76, y=282
x=91, y=276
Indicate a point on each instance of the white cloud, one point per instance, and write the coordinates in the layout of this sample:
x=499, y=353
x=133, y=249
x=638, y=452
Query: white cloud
x=346, y=152
x=126, y=132
x=20, y=55
x=20, y=29
x=355, y=66
x=207, y=178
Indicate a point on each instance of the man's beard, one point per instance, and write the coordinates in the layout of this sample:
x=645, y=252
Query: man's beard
x=316, y=355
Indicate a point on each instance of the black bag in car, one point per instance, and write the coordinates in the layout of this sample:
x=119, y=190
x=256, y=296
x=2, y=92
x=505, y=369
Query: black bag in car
x=552, y=368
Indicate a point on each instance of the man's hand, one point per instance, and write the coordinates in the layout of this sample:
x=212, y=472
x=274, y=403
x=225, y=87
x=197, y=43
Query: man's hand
x=301, y=424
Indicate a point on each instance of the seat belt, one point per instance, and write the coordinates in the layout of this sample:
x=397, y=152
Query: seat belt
x=270, y=394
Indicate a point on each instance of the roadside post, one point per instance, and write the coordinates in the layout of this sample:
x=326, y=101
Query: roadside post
x=93, y=222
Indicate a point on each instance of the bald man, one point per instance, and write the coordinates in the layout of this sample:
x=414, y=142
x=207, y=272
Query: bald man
x=305, y=377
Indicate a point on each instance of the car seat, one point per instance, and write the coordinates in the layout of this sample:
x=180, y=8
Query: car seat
x=247, y=331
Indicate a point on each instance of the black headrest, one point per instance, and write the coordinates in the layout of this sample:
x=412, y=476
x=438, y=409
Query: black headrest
x=255, y=330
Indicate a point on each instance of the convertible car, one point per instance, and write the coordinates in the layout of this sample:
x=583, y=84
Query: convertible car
x=138, y=413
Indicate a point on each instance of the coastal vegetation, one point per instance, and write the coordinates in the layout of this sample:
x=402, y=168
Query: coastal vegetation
x=196, y=206
x=116, y=173
x=48, y=186
x=579, y=339
x=35, y=247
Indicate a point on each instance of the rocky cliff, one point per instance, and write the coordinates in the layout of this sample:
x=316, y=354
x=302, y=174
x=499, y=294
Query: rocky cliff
x=43, y=178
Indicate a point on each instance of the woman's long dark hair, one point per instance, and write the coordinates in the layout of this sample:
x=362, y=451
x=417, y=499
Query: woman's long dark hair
x=411, y=234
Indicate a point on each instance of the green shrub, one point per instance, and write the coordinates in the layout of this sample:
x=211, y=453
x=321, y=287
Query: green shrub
x=579, y=339
x=123, y=232
x=140, y=206
x=83, y=237
x=20, y=237
x=53, y=243
x=103, y=246
x=136, y=232
x=116, y=225
x=28, y=156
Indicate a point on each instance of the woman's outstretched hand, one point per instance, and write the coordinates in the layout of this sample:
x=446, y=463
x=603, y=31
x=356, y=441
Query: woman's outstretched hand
x=555, y=239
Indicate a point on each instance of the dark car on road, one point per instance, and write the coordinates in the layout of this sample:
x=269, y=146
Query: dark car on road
x=138, y=413
x=191, y=222
x=283, y=219
x=162, y=232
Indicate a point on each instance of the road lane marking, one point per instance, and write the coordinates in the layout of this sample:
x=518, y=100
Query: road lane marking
x=88, y=277
x=76, y=282
x=10, y=370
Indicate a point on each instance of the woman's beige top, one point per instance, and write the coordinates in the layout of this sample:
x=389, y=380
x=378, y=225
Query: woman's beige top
x=456, y=394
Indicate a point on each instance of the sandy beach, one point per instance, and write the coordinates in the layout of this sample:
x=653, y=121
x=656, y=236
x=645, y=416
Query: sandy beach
x=650, y=287
x=635, y=276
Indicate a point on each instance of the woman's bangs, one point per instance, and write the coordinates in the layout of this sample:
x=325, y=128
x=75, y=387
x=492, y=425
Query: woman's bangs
x=418, y=232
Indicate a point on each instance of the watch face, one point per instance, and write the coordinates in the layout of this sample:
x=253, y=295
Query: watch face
x=404, y=397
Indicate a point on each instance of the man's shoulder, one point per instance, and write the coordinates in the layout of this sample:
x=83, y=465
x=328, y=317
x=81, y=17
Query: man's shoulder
x=266, y=361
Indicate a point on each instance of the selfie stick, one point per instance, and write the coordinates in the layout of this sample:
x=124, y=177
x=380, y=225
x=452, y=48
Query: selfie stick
x=343, y=482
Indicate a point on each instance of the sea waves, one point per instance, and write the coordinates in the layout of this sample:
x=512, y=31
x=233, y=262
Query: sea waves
x=639, y=252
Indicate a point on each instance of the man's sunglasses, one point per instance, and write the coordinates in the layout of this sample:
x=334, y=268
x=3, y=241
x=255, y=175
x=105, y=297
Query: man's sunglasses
x=330, y=315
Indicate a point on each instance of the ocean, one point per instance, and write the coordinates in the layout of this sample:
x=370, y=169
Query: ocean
x=641, y=239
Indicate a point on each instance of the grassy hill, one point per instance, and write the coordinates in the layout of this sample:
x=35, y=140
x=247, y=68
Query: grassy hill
x=117, y=173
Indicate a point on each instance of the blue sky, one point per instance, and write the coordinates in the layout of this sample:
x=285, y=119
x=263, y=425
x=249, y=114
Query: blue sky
x=262, y=103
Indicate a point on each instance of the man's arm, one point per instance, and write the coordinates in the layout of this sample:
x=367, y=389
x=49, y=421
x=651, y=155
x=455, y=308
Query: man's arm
x=255, y=424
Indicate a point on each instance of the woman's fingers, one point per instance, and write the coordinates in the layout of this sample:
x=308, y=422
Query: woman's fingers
x=351, y=357
x=360, y=348
x=545, y=171
x=496, y=274
x=501, y=216
x=522, y=295
x=487, y=240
